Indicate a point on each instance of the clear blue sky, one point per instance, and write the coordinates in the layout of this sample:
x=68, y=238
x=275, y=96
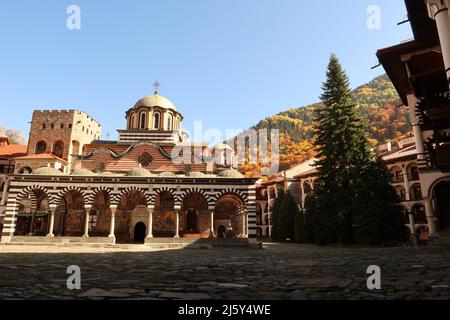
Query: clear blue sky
x=229, y=63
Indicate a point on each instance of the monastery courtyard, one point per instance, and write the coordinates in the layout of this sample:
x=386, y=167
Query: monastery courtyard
x=279, y=271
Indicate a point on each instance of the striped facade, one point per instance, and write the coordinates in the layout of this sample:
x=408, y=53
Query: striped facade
x=56, y=187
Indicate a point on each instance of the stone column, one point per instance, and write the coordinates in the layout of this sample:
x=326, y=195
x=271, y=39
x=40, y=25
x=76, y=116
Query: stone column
x=412, y=228
x=87, y=208
x=212, y=224
x=302, y=188
x=150, y=222
x=52, y=220
x=430, y=216
x=439, y=12
x=113, y=221
x=5, y=192
x=177, y=224
x=33, y=217
x=406, y=184
x=243, y=224
x=418, y=138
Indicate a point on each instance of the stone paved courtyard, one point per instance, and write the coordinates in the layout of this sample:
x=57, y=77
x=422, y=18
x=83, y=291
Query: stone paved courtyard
x=279, y=271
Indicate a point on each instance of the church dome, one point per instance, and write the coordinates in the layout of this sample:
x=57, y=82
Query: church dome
x=155, y=101
x=82, y=172
x=47, y=171
x=196, y=174
x=167, y=174
x=138, y=172
x=230, y=174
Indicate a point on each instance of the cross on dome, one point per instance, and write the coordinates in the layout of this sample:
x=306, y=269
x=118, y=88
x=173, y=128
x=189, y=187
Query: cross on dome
x=156, y=85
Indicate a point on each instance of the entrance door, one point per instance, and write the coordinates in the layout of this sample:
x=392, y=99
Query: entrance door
x=221, y=231
x=139, y=232
x=442, y=192
x=191, y=221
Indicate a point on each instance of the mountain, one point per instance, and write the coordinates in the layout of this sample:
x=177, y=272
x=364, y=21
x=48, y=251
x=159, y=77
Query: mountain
x=379, y=104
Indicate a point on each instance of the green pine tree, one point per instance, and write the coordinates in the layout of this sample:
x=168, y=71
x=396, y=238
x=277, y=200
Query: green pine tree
x=288, y=213
x=353, y=200
x=379, y=221
x=276, y=216
x=309, y=218
x=342, y=146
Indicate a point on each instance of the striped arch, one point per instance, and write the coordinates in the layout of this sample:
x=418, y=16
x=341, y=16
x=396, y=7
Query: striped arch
x=185, y=193
x=60, y=196
x=239, y=193
x=29, y=192
x=118, y=196
x=158, y=191
x=90, y=197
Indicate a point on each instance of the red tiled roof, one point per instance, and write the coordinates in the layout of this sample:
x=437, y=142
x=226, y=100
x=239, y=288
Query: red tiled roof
x=13, y=150
x=42, y=156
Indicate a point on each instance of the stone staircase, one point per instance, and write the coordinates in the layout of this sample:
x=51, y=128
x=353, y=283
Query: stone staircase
x=199, y=243
x=153, y=243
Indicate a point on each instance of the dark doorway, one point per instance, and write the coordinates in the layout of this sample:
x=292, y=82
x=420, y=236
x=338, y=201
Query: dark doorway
x=221, y=231
x=139, y=232
x=191, y=221
x=442, y=192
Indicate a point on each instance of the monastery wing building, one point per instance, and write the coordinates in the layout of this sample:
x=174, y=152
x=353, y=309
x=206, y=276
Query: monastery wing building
x=70, y=186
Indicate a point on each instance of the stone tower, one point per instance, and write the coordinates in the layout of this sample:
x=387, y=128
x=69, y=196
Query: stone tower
x=61, y=132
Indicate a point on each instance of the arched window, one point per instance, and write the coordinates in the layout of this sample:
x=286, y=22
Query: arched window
x=58, y=149
x=132, y=121
x=169, y=122
x=156, y=120
x=142, y=120
x=41, y=147
x=416, y=192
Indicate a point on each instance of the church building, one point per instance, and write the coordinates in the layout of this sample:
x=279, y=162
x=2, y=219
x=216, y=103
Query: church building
x=150, y=183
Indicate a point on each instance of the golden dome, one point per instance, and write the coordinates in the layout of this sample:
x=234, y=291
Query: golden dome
x=155, y=101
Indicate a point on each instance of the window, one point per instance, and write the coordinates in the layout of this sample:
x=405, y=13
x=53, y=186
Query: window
x=41, y=147
x=169, y=122
x=414, y=173
x=70, y=126
x=52, y=126
x=145, y=159
x=132, y=121
x=142, y=120
x=43, y=126
x=58, y=149
x=416, y=192
x=156, y=120
x=93, y=220
x=61, y=126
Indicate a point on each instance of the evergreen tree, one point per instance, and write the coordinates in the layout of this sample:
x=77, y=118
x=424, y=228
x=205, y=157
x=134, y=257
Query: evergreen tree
x=342, y=146
x=353, y=200
x=288, y=214
x=379, y=221
x=300, y=227
x=276, y=216
x=309, y=218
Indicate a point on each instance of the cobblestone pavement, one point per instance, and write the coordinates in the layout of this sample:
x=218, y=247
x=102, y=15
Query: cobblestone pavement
x=279, y=271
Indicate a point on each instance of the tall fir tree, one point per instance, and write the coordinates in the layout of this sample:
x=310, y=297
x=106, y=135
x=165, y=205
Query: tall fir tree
x=342, y=146
x=379, y=220
x=276, y=216
x=288, y=213
x=344, y=212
